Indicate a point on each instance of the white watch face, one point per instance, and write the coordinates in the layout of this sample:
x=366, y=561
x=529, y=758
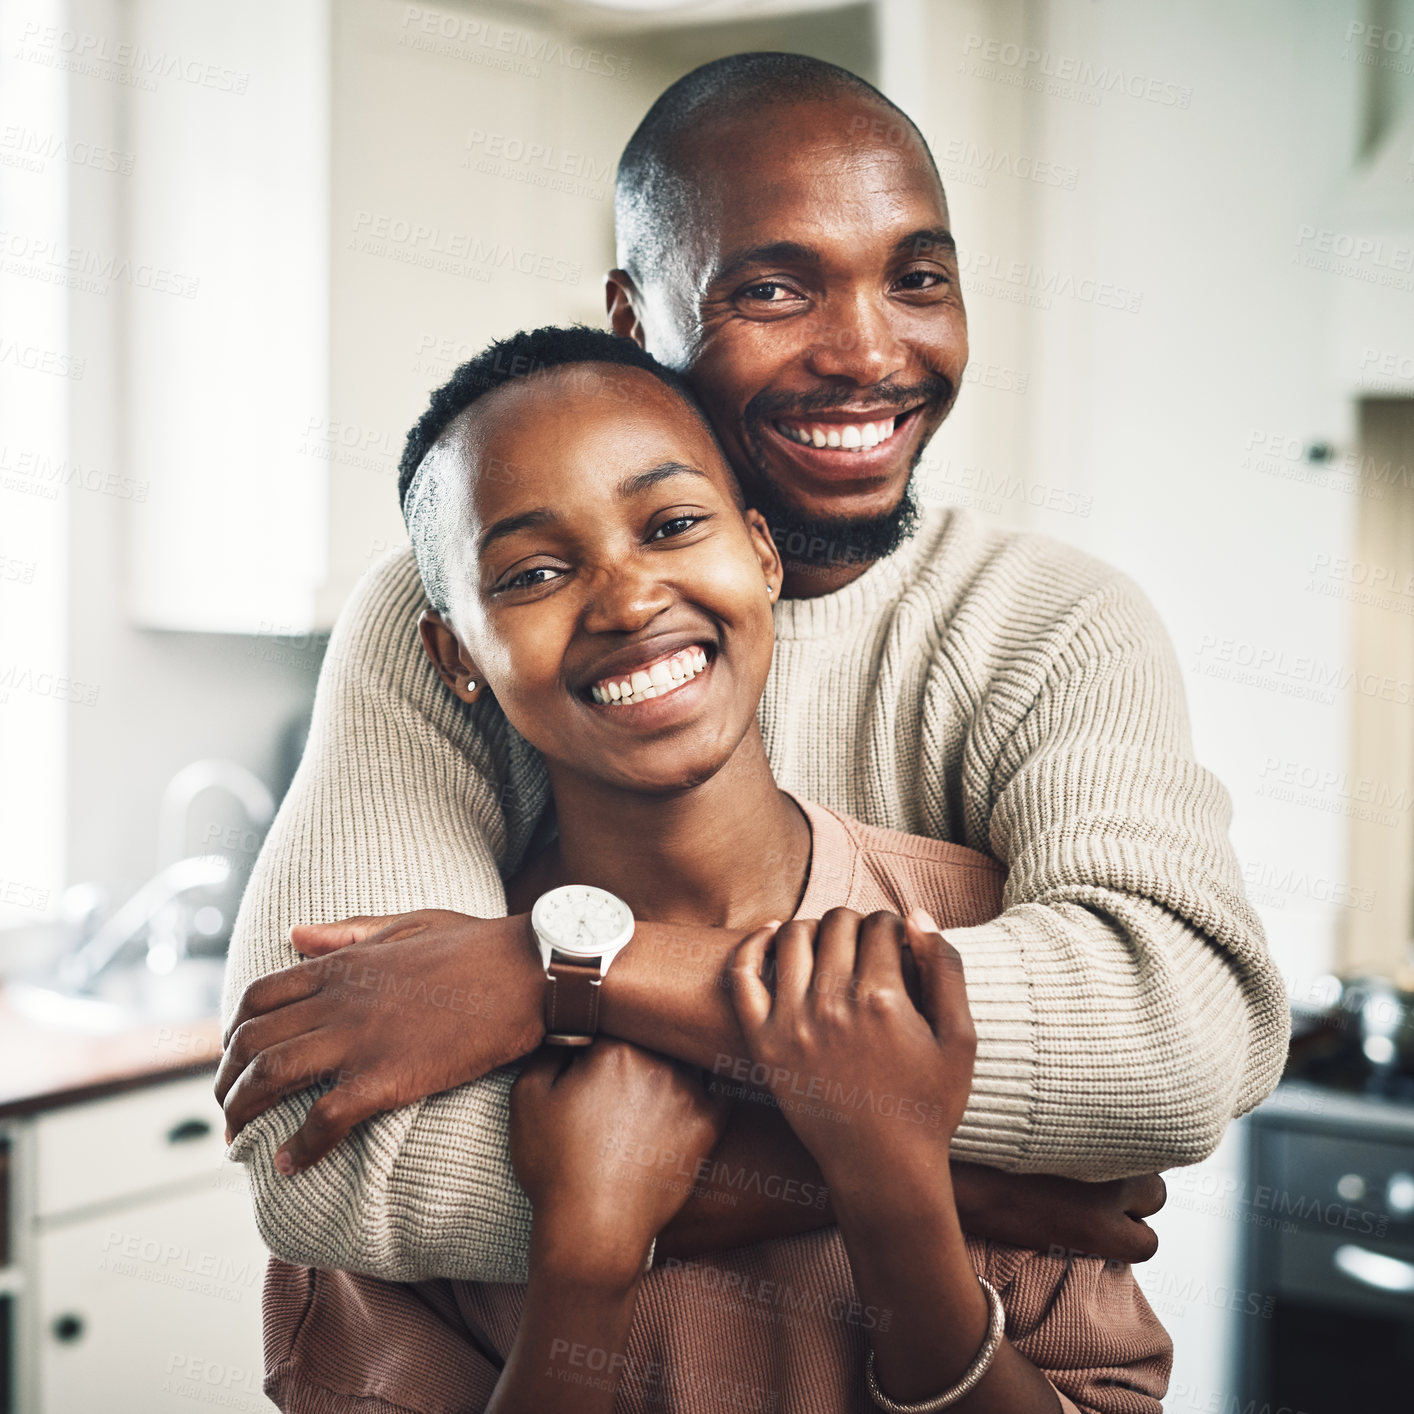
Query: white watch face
x=581, y=920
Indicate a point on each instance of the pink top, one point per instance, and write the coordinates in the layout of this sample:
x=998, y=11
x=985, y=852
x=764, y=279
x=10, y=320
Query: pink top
x=773, y=1327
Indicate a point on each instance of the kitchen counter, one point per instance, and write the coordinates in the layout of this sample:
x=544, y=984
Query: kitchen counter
x=43, y=1066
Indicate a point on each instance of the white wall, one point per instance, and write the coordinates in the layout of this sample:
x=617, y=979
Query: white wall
x=1140, y=434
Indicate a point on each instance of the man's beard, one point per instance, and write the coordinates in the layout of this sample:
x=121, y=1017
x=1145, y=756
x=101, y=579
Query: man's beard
x=821, y=543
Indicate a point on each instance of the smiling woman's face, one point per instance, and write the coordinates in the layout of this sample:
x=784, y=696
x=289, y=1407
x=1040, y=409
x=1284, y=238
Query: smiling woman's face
x=604, y=584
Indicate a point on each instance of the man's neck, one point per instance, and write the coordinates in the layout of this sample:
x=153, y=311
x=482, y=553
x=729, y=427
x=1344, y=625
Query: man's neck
x=731, y=852
x=806, y=581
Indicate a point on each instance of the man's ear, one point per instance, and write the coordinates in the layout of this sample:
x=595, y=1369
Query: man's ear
x=621, y=300
x=766, y=551
x=453, y=663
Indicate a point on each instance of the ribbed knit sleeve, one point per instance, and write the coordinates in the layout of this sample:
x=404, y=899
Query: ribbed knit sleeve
x=405, y=799
x=1126, y=1003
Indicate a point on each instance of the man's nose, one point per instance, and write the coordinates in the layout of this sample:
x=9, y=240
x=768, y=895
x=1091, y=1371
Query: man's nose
x=855, y=338
x=624, y=597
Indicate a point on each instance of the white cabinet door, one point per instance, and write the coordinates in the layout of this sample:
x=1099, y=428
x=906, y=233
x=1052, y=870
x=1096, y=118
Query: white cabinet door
x=155, y=1306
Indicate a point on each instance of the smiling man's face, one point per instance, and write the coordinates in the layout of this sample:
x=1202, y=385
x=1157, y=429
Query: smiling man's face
x=813, y=301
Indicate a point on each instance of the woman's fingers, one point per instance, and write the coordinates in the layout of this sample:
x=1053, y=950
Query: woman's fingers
x=751, y=998
x=877, y=967
x=944, y=985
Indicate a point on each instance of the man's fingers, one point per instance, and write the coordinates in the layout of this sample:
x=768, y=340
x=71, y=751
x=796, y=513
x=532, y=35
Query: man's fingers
x=329, y=1119
x=1142, y=1241
x=316, y=939
x=751, y=999
x=1145, y=1195
x=278, y=1071
x=261, y=1032
x=276, y=989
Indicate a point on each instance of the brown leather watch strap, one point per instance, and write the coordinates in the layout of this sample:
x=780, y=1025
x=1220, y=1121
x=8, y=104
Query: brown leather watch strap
x=571, y=1002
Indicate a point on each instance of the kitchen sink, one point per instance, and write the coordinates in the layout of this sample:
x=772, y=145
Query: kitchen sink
x=124, y=997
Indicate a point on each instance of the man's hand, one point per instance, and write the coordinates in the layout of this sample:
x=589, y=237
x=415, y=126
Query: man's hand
x=388, y=1011
x=605, y=1141
x=1048, y=1213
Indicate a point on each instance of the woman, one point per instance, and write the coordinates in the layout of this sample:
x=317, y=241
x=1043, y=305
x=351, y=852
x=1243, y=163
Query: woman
x=591, y=565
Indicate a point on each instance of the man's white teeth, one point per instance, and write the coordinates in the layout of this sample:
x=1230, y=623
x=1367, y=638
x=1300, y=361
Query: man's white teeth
x=656, y=680
x=853, y=436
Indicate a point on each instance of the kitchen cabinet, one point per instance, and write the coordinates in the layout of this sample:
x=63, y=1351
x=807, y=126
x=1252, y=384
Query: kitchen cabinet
x=135, y=1267
x=358, y=198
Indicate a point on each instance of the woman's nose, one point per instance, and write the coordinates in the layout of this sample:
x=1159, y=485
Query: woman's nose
x=623, y=598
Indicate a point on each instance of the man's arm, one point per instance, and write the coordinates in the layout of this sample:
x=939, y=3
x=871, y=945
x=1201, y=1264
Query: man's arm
x=1126, y=1003
x=397, y=804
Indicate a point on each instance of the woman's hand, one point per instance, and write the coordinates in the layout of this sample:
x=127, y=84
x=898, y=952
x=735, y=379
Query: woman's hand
x=606, y=1141
x=390, y=1010
x=870, y=1083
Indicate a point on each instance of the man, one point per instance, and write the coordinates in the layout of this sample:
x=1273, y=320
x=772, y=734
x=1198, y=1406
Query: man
x=1000, y=691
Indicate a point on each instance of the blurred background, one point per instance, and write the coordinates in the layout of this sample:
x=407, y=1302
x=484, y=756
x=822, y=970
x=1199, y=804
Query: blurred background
x=238, y=246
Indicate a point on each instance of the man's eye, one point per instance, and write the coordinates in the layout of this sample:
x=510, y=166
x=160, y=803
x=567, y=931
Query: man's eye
x=679, y=525
x=768, y=292
x=526, y=579
x=922, y=279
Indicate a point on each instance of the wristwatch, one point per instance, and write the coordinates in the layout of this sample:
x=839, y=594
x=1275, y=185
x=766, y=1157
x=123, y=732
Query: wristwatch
x=580, y=930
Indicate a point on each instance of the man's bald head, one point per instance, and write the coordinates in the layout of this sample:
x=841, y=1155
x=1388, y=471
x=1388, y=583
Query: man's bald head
x=660, y=174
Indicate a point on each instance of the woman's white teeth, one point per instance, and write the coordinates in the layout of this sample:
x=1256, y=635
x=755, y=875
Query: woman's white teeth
x=852, y=436
x=656, y=680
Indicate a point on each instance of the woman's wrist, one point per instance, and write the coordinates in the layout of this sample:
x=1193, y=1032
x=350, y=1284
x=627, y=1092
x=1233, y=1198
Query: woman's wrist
x=588, y=1255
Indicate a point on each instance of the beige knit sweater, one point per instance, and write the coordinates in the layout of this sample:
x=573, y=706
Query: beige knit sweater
x=999, y=690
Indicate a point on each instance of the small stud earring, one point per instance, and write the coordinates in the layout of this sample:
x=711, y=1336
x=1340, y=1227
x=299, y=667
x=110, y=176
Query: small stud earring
x=770, y=591
x=471, y=684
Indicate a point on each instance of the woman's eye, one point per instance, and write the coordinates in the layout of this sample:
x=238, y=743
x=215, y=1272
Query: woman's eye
x=679, y=525
x=527, y=579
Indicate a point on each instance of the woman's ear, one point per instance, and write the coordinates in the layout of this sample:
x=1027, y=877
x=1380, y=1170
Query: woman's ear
x=766, y=551
x=453, y=663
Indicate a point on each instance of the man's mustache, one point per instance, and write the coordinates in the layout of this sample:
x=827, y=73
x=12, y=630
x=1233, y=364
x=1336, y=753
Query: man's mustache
x=937, y=392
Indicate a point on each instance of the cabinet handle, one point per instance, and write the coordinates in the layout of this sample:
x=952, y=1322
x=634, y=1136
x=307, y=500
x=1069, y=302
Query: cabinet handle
x=67, y=1328
x=187, y=1130
x=1375, y=1270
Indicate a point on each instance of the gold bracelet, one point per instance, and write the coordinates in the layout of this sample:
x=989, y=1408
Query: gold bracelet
x=971, y=1377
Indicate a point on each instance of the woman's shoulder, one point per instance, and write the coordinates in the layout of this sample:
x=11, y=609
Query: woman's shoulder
x=880, y=868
